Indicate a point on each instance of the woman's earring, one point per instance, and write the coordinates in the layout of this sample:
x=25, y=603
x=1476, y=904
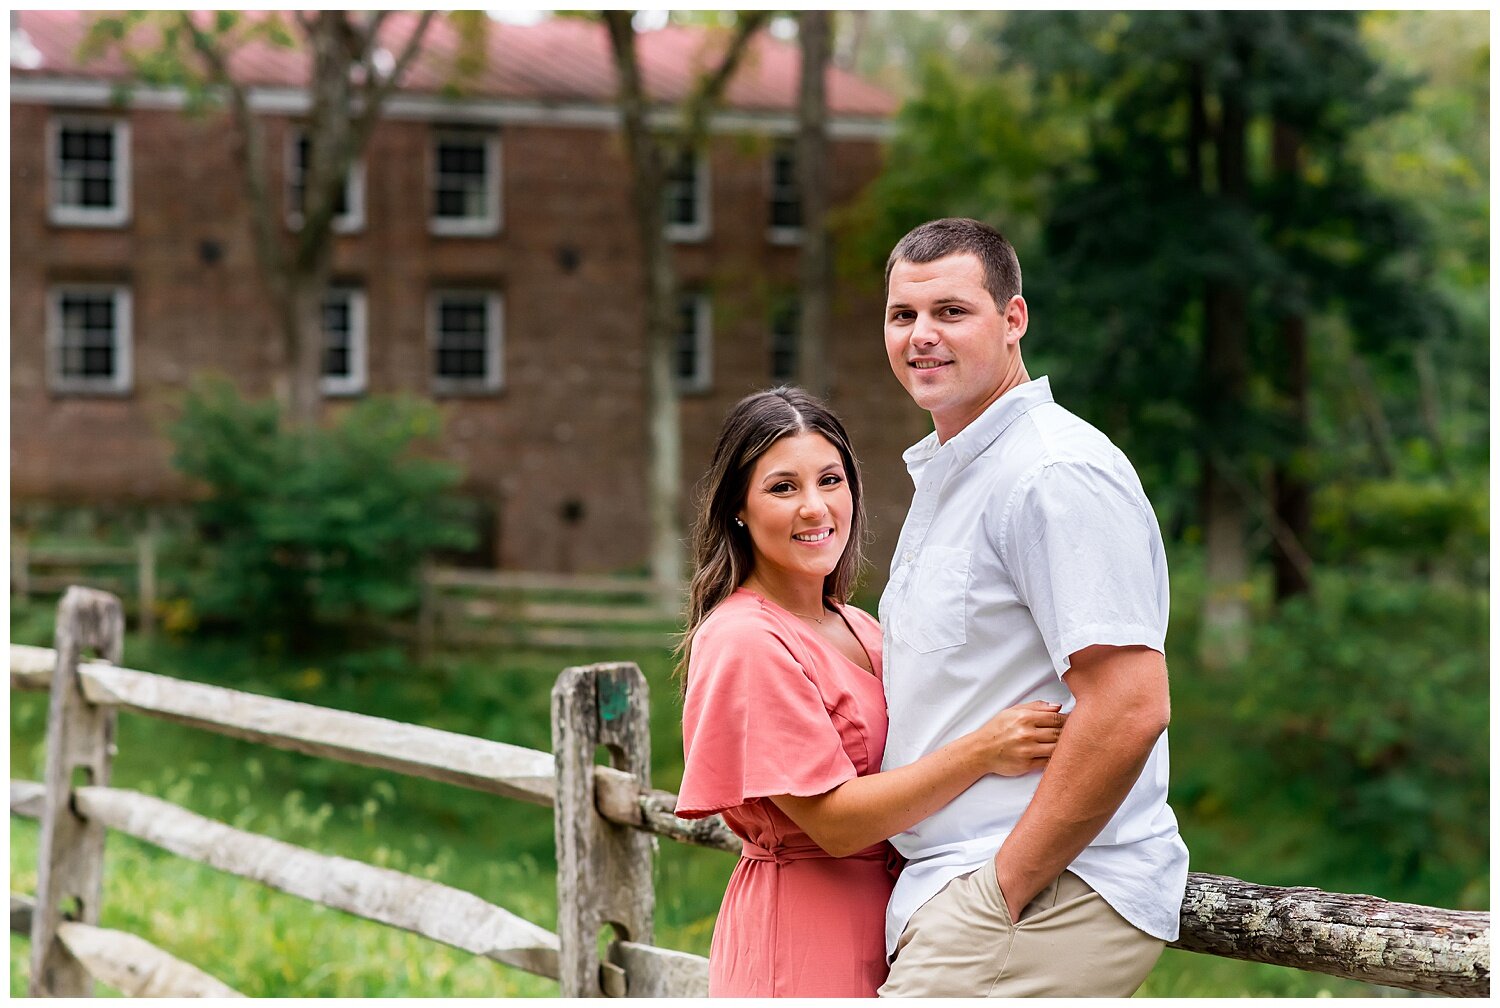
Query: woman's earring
x=740, y=522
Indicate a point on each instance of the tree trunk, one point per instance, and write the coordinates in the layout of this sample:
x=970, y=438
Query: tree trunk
x=1226, y=617
x=1291, y=494
x=346, y=92
x=647, y=157
x=1431, y=406
x=1382, y=441
x=305, y=349
x=815, y=273
x=664, y=423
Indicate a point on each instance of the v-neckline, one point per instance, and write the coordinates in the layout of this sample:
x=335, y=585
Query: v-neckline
x=838, y=611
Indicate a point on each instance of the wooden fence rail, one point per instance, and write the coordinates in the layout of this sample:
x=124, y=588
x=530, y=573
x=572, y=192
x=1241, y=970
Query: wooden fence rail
x=460, y=606
x=50, y=570
x=607, y=821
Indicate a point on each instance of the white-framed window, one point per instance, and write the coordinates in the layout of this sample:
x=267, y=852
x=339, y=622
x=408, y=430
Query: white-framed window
x=88, y=159
x=88, y=338
x=344, y=341
x=785, y=340
x=694, y=345
x=465, y=182
x=685, y=198
x=349, y=211
x=785, y=196
x=467, y=336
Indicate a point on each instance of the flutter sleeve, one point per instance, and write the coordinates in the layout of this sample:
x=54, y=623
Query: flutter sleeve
x=753, y=722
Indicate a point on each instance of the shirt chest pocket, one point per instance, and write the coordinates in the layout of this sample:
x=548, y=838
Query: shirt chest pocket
x=936, y=605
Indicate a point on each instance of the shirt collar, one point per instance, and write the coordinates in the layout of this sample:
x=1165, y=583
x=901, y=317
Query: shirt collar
x=968, y=443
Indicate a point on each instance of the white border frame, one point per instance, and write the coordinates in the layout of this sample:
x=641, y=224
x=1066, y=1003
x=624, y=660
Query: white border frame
x=117, y=215
x=355, y=382
x=492, y=222
x=350, y=222
x=702, y=226
x=494, y=344
x=120, y=382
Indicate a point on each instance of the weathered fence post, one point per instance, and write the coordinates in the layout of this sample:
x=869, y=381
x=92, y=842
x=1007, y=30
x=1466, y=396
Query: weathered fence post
x=80, y=737
x=603, y=869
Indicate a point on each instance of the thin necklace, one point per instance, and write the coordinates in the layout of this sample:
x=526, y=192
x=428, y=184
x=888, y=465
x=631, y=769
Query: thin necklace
x=816, y=619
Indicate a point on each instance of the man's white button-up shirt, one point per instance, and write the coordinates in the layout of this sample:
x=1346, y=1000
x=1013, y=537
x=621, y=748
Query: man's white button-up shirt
x=1029, y=538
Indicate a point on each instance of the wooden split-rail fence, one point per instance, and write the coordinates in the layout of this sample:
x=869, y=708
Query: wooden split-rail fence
x=465, y=607
x=128, y=571
x=607, y=820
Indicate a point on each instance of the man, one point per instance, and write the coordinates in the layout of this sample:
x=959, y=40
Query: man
x=1030, y=567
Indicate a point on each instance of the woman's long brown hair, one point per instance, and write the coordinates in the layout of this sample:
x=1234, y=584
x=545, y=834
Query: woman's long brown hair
x=722, y=557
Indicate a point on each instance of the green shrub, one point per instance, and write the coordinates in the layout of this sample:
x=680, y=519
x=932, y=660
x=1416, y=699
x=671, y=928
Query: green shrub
x=1429, y=519
x=306, y=530
x=1351, y=750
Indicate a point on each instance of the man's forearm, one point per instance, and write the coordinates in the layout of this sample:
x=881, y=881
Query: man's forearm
x=1120, y=713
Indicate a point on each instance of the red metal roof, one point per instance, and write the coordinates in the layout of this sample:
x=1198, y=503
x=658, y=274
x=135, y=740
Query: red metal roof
x=558, y=60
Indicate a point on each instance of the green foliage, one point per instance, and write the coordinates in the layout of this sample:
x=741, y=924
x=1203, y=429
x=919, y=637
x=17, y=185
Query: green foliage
x=160, y=48
x=268, y=944
x=1350, y=748
x=1428, y=520
x=952, y=135
x=1079, y=141
x=310, y=528
x=264, y=943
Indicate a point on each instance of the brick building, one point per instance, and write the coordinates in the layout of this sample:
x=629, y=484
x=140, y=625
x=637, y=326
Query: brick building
x=486, y=260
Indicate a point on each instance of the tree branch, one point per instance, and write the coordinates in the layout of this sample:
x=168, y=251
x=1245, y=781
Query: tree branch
x=268, y=247
x=375, y=99
x=701, y=102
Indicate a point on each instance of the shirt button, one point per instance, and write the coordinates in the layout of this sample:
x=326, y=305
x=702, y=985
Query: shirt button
x=909, y=556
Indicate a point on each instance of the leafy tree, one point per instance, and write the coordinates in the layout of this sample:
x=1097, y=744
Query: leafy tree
x=650, y=149
x=1436, y=153
x=1217, y=271
x=356, y=60
x=308, y=530
x=1217, y=203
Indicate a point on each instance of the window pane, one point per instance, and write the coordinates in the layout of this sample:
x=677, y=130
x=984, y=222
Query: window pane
x=687, y=339
x=460, y=183
x=337, y=336
x=73, y=144
x=85, y=170
x=786, y=200
x=98, y=362
x=681, y=191
x=461, y=159
x=462, y=338
x=784, y=341
x=87, y=343
x=96, y=193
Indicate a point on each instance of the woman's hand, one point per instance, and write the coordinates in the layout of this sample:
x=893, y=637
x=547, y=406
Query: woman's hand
x=1020, y=739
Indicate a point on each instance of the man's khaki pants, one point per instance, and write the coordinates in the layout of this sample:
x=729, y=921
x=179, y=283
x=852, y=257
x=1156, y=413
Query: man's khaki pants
x=1069, y=943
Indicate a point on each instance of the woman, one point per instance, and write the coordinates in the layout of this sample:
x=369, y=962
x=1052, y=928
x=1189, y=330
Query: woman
x=784, y=720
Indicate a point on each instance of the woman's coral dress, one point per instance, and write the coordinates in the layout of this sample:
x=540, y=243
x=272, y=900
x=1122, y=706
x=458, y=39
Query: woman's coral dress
x=773, y=709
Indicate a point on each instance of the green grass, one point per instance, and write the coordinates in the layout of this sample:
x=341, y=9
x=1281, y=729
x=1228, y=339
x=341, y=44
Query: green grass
x=265, y=943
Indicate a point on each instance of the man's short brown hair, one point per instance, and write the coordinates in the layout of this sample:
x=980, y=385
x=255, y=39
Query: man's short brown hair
x=951, y=235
